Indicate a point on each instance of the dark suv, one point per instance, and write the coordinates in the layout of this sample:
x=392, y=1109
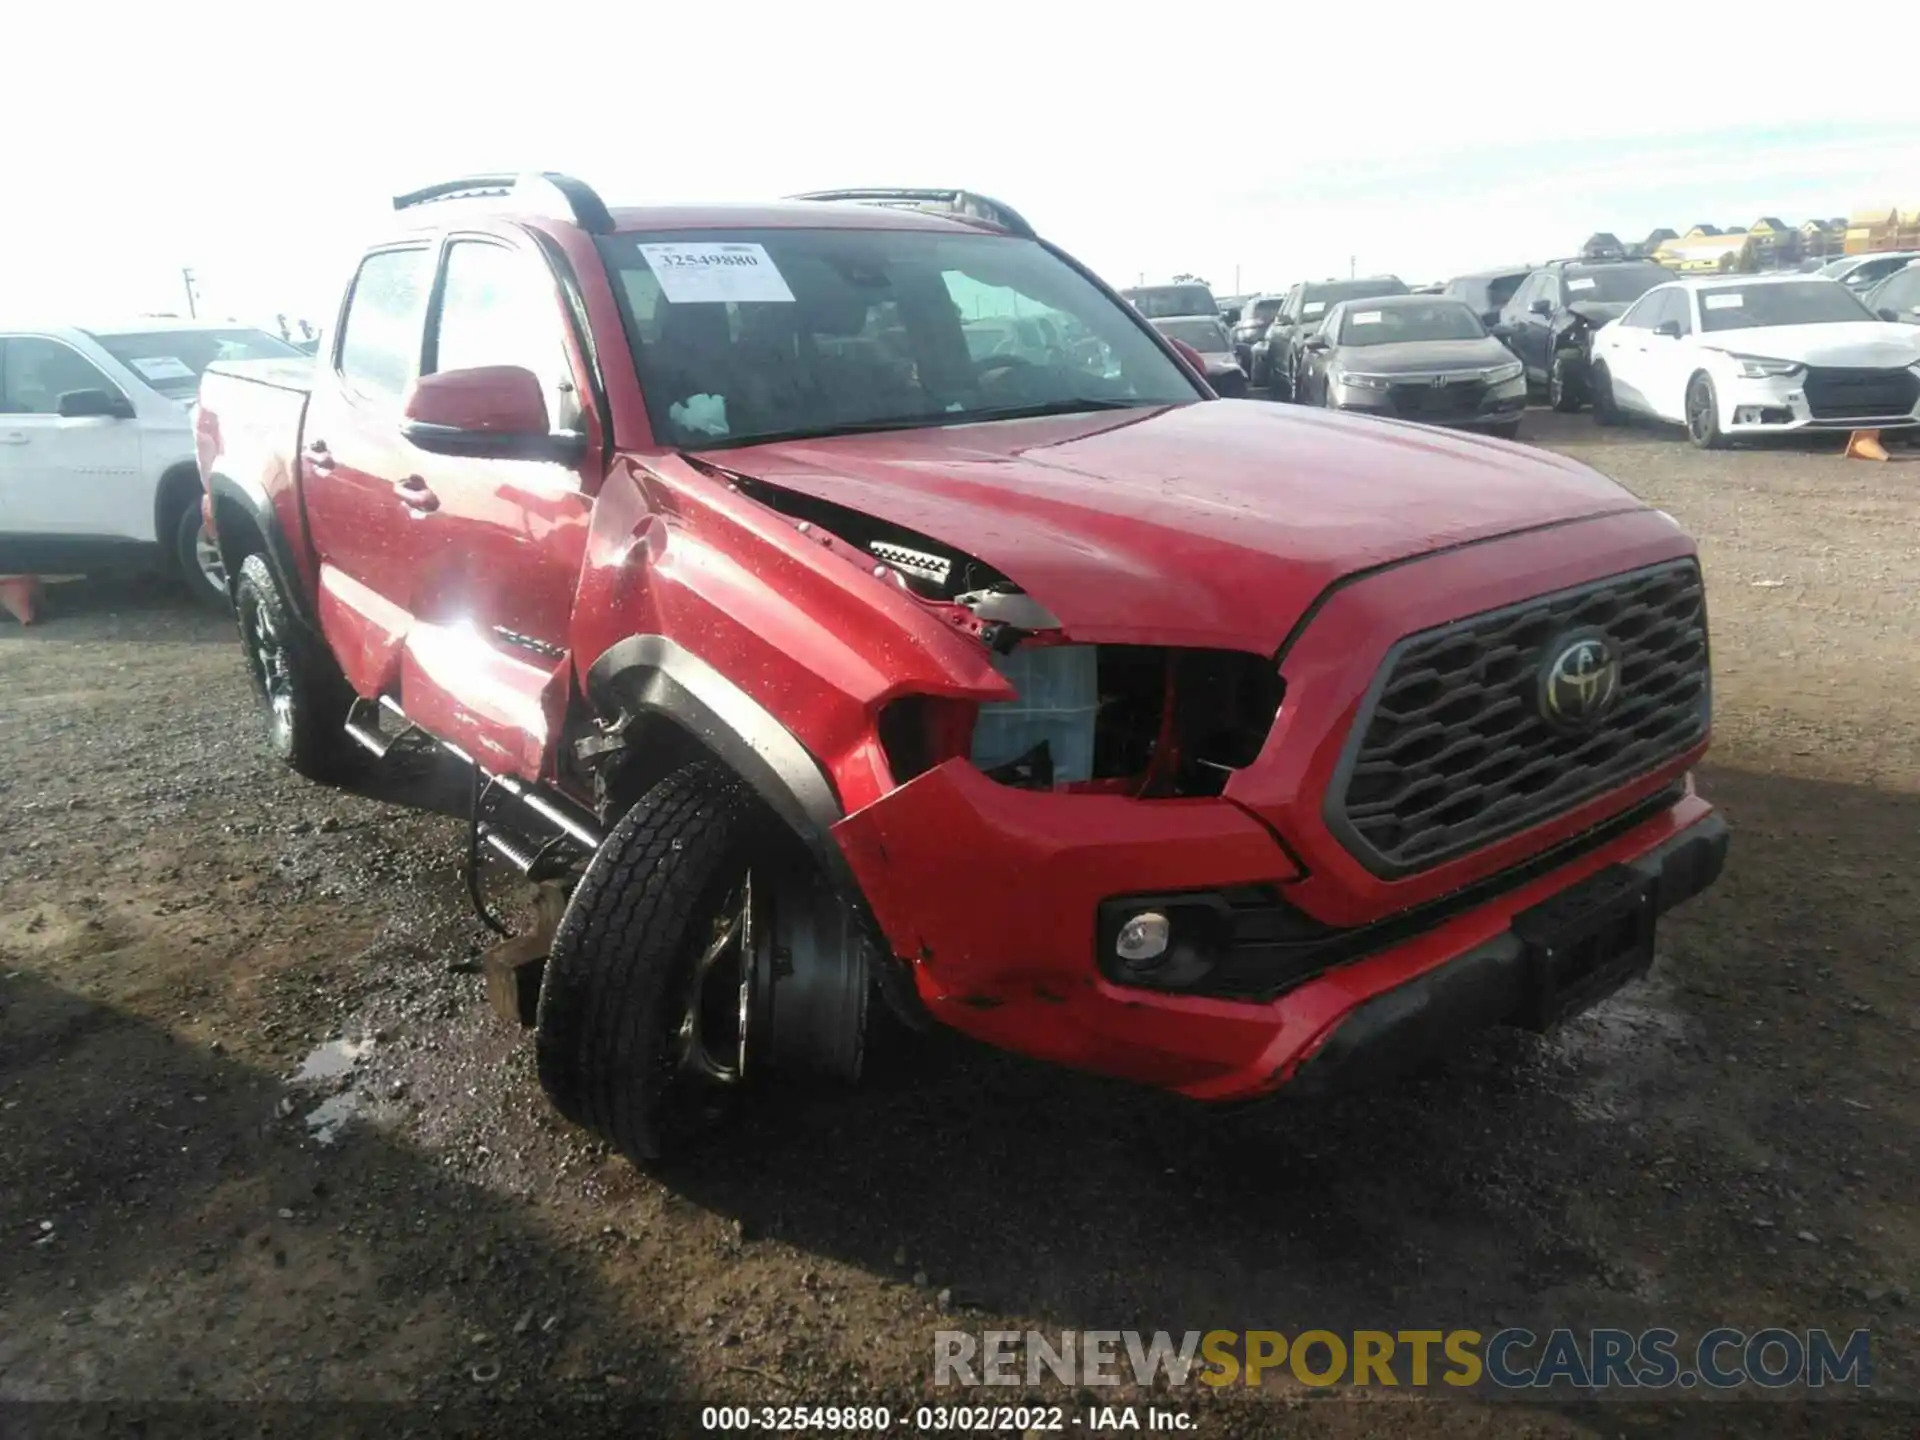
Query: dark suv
x=1487, y=291
x=1276, y=359
x=1548, y=321
x=1250, y=323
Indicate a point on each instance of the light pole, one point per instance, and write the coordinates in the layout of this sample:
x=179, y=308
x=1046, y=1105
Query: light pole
x=186, y=275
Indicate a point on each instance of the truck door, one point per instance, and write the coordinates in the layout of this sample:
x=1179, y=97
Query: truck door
x=496, y=552
x=352, y=461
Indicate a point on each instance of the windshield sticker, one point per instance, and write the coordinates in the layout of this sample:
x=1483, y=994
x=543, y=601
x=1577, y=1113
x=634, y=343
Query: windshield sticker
x=1366, y=317
x=1313, y=307
x=1727, y=300
x=1581, y=282
x=715, y=273
x=162, y=367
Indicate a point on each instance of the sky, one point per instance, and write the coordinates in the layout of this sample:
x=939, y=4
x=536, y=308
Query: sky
x=1253, y=145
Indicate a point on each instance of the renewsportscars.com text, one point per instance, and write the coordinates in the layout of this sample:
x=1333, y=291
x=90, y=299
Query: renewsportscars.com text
x=1725, y=1358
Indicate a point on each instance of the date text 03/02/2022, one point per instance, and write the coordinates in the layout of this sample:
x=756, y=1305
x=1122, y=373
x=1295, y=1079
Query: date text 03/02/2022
x=972, y=1419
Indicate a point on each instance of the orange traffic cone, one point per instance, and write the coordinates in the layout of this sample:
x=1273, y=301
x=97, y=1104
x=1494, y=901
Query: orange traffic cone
x=1865, y=445
x=18, y=595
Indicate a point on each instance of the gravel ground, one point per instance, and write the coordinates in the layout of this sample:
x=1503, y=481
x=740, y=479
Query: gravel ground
x=262, y=1140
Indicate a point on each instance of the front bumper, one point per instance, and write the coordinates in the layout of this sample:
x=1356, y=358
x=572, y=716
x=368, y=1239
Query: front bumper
x=1002, y=945
x=1464, y=403
x=1778, y=405
x=1395, y=1032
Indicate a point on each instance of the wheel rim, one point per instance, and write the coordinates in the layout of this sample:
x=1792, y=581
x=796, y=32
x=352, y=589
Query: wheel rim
x=206, y=555
x=718, y=998
x=1699, y=411
x=272, y=672
x=1556, y=387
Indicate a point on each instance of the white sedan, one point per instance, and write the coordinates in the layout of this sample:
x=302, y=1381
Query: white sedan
x=1740, y=355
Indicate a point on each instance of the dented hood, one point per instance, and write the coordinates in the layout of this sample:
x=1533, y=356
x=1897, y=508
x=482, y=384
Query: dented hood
x=1210, y=524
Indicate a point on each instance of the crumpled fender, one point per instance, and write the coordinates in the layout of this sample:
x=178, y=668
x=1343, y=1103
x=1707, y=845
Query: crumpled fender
x=796, y=622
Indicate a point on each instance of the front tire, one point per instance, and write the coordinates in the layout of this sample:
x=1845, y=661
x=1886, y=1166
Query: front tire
x=1703, y=414
x=642, y=1021
x=1606, y=410
x=300, y=689
x=198, y=555
x=1563, y=388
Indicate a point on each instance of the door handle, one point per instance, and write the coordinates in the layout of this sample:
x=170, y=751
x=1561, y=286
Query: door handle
x=415, y=495
x=318, y=456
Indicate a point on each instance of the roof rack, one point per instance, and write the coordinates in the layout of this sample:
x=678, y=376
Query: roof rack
x=546, y=192
x=938, y=202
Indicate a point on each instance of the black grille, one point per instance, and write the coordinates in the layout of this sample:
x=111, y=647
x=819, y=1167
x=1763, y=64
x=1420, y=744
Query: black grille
x=1837, y=393
x=1451, y=751
x=1456, y=397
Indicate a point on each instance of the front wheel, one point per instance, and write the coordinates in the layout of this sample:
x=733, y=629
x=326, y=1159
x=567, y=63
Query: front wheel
x=1563, y=385
x=1703, y=415
x=1606, y=410
x=197, y=554
x=300, y=689
x=645, y=1001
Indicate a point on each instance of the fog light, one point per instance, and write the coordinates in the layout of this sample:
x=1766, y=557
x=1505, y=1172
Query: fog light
x=1143, y=937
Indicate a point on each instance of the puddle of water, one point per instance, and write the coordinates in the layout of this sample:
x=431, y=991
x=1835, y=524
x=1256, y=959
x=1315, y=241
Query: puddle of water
x=326, y=1119
x=332, y=1060
x=1620, y=1048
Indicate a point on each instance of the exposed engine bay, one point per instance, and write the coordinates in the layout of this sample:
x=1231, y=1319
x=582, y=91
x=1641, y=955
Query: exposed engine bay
x=1139, y=720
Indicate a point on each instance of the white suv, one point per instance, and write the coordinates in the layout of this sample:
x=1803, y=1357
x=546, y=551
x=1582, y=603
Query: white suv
x=97, y=468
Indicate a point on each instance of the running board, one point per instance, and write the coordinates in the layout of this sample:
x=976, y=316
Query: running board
x=363, y=725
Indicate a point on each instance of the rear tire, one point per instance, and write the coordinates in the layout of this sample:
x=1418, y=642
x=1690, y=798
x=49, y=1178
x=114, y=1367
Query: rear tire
x=202, y=570
x=300, y=689
x=626, y=1002
x=1703, y=414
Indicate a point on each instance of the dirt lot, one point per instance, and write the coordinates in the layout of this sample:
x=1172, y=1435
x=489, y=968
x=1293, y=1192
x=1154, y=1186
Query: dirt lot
x=181, y=1218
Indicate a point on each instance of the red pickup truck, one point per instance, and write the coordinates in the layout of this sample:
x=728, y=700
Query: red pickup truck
x=1212, y=744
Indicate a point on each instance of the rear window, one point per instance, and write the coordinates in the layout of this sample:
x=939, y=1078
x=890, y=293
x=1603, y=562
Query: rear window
x=1209, y=337
x=1318, y=299
x=1158, y=302
x=1613, y=284
x=171, y=361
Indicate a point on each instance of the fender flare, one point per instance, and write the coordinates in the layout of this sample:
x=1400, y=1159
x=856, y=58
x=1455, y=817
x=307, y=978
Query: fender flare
x=651, y=674
x=223, y=489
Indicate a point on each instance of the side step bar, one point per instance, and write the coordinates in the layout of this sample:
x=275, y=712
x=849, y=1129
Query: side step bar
x=559, y=827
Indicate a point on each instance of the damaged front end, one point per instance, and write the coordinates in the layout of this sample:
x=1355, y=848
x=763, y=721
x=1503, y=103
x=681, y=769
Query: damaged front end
x=1141, y=721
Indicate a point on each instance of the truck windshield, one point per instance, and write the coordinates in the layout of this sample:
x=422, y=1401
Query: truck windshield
x=171, y=360
x=745, y=336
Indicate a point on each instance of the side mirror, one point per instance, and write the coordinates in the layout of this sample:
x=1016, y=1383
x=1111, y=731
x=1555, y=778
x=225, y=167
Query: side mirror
x=1541, y=307
x=94, y=404
x=495, y=412
x=1668, y=328
x=1190, y=355
x=1500, y=331
x=1887, y=313
x=1318, y=342
x=1490, y=318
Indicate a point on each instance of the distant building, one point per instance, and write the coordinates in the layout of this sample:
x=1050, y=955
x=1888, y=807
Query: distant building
x=1698, y=232
x=1716, y=254
x=1894, y=229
